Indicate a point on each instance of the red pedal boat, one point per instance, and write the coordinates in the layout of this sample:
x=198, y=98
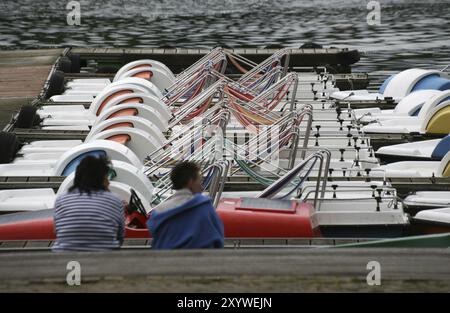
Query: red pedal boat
x=242, y=218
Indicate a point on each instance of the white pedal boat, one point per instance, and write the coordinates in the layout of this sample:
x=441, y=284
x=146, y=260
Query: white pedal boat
x=426, y=150
x=399, y=86
x=124, y=94
x=435, y=121
x=126, y=176
x=67, y=162
x=36, y=149
x=425, y=200
x=410, y=105
x=432, y=221
x=412, y=169
x=80, y=90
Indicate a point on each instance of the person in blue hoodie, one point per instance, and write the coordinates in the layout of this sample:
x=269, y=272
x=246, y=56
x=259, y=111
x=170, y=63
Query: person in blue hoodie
x=187, y=220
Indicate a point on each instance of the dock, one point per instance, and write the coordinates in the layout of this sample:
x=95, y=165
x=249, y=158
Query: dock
x=23, y=75
x=178, y=59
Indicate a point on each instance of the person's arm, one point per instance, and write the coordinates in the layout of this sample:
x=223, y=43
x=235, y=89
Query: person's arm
x=56, y=214
x=218, y=225
x=121, y=222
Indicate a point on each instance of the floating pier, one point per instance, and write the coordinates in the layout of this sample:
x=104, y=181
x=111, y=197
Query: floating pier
x=23, y=75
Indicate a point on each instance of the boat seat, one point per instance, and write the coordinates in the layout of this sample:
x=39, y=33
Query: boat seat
x=66, y=127
x=433, y=199
x=143, y=63
x=40, y=146
x=129, y=121
x=17, y=200
x=72, y=98
x=140, y=142
x=408, y=106
x=398, y=86
x=414, y=169
x=72, y=165
x=126, y=174
x=436, y=215
x=441, y=149
x=433, y=121
x=420, y=149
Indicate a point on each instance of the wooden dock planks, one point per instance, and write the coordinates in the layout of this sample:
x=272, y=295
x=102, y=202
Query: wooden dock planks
x=23, y=74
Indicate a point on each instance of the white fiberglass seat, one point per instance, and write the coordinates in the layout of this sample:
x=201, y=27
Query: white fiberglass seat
x=129, y=121
x=127, y=67
x=68, y=161
x=60, y=146
x=33, y=199
x=428, y=199
x=413, y=169
x=144, y=111
x=72, y=98
x=408, y=106
x=48, y=146
x=139, y=141
x=431, y=120
x=144, y=98
x=156, y=76
x=124, y=173
x=439, y=216
x=398, y=86
x=156, y=72
x=143, y=63
x=434, y=149
x=125, y=86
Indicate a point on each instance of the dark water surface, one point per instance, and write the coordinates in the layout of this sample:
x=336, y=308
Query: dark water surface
x=412, y=33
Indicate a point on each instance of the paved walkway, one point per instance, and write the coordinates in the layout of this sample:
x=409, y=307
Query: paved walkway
x=230, y=270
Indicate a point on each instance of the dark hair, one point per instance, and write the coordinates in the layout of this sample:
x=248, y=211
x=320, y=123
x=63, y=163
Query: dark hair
x=90, y=174
x=182, y=173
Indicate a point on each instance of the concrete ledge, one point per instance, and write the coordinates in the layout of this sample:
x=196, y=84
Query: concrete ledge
x=229, y=270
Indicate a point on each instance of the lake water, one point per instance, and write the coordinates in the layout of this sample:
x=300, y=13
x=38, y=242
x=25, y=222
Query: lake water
x=412, y=33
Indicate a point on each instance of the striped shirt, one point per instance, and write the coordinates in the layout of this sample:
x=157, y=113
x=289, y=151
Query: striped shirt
x=88, y=222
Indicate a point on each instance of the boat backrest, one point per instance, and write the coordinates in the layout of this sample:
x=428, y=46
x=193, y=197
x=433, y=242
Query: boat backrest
x=441, y=148
x=109, y=93
x=139, y=97
x=437, y=120
x=434, y=81
x=128, y=121
x=72, y=165
x=414, y=101
x=385, y=83
x=137, y=109
x=137, y=140
x=142, y=63
x=156, y=76
x=444, y=166
x=404, y=82
x=433, y=102
x=70, y=159
x=125, y=174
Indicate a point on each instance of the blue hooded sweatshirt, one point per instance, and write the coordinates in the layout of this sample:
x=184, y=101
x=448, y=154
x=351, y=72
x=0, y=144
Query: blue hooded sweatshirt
x=192, y=225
